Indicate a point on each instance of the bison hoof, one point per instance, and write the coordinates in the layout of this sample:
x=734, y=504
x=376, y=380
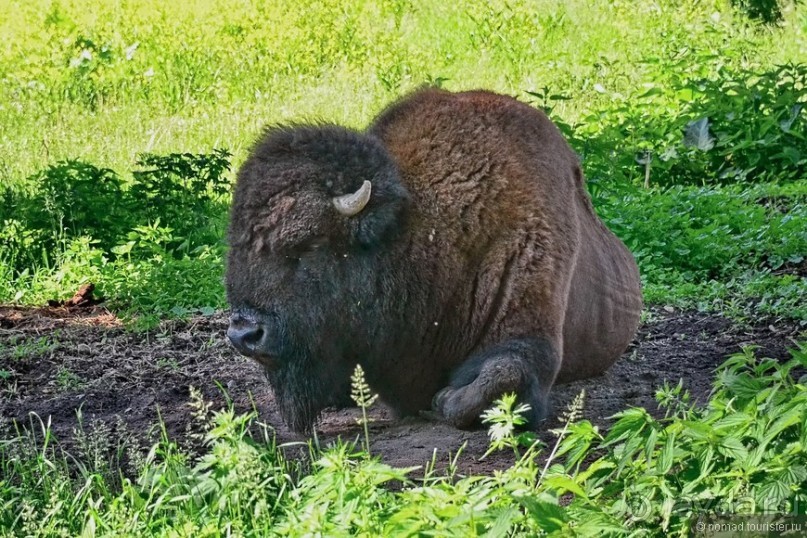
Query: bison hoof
x=462, y=406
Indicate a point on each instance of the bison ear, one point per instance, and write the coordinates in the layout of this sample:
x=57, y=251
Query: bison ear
x=383, y=218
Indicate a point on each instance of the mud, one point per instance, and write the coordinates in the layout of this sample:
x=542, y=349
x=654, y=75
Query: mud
x=57, y=361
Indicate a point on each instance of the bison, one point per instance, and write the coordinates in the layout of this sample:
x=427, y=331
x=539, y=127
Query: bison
x=451, y=249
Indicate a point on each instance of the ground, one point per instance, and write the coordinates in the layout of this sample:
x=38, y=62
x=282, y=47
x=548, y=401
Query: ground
x=58, y=360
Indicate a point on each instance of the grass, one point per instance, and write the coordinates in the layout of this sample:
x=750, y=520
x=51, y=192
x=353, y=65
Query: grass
x=125, y=72
x=743, y=452
x=16, y=348
x=106, y=92
x=123, y=123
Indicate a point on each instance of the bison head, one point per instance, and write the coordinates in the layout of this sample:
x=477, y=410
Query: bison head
x=317, y=214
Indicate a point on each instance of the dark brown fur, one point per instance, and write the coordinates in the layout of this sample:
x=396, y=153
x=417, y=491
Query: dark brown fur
x=478, y=266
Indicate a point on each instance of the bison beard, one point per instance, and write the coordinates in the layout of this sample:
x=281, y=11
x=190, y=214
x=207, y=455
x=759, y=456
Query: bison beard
x=451, y=249
x=297, y=394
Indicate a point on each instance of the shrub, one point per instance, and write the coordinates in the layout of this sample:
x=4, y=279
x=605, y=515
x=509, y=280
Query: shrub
x=184, y=191
x=178, y=202
x=730, y=127
x=765, y=11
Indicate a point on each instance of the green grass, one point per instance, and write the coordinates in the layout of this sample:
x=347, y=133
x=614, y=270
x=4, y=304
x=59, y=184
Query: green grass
x=98, y=87
x=123, y=123
x=741, y=453
x=77, y=87
x=736, y=248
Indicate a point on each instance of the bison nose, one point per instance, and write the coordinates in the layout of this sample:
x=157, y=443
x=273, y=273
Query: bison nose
x=249, y=337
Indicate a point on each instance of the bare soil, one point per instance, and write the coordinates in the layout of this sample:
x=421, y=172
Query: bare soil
x=55, y=361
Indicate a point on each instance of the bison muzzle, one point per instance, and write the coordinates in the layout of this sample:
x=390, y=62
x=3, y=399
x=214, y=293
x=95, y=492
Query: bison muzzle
x=451, y=249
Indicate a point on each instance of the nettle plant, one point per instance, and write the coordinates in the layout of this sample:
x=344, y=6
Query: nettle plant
x=703, y=232
x=743, y=452
x=744, y=128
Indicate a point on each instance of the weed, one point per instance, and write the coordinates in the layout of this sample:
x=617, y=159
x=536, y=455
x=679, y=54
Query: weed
x=728, y=454
x=743, y=450
x=361, y=394
x=503, y=419
x=8, y=383
x=17, y=348
x=168, y=363
x=104, y=450
x=67, y=380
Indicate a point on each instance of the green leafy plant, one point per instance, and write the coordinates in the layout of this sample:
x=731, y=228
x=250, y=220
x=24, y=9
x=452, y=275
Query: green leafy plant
x=765, y=11
x=743, y=451
x=68, y=380
x=732, y=126
x=83, y=223
x=504, y=418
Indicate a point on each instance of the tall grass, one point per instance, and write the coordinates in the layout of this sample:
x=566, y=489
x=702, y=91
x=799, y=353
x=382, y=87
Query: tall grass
x=105, y=82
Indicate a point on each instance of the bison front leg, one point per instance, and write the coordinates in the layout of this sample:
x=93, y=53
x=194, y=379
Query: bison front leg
x=526, y=367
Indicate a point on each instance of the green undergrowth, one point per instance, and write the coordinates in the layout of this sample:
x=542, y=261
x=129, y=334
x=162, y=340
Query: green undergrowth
x=152, y=242
x=743, y=452
x=123, y=123
x=733, y=248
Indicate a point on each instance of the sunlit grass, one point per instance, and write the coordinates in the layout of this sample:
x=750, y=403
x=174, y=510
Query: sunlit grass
x=189, y=76
x=104, y=82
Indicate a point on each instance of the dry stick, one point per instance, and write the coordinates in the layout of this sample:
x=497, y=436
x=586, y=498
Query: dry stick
x=647, y=159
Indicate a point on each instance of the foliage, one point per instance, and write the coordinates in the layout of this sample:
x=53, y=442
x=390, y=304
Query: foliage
x=743, y=452
x=72, y=199
x=708, y=233
x=673, y=121
x=669, y=162
x=149, y=243
x=185, y=191
x=504, y=419
x=740, y=250
x=723, y=243
x=766, y=11
x=728, y=127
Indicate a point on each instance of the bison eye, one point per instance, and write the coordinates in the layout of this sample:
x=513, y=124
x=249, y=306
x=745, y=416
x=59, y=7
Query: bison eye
x=309, y=245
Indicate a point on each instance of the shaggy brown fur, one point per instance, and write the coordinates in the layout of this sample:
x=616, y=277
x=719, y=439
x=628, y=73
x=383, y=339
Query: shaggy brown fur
x=477, y=267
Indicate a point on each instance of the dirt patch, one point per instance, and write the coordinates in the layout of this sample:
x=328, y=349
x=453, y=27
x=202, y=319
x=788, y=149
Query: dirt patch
x=48, y=318
x=56, y=361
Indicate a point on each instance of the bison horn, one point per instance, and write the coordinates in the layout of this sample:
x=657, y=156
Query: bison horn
x=352, y=204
